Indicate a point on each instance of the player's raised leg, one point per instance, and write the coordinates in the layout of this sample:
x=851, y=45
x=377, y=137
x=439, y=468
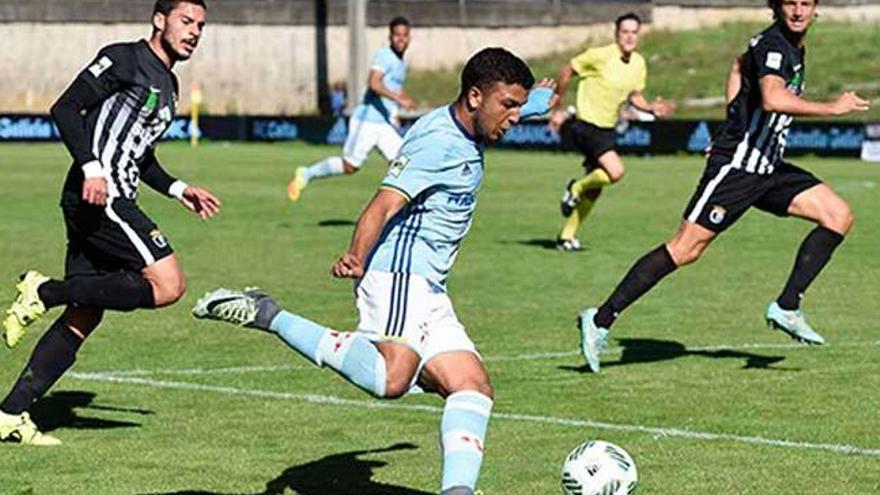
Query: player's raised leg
x=689, y=242
x=462, y=379
x=834, y=218
x=351, y=354
x=159, y=284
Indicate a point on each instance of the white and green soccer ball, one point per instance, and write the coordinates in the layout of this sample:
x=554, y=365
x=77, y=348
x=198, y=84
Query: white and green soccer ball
x=599, y=468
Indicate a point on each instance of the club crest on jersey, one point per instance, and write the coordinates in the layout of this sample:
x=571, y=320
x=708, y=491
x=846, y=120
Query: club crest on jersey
x=397, y=165
x=100, y=66
x=158, y=239
x=774, y=60
x=152, y=100
x=717, y=214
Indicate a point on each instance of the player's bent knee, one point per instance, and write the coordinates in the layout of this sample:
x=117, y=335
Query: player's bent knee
x=168, y=290
x=397, y=385
x=839, y=219
x=616, y=174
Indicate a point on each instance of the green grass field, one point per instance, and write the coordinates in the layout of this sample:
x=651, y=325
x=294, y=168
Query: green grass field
x=705, y=398
x=694, y=64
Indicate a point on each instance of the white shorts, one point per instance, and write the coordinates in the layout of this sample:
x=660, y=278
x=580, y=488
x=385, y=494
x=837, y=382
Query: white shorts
x=405, y=308
x=364, y=136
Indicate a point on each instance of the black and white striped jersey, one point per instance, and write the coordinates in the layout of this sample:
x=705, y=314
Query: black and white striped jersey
x=136, y=97
x=753, y=139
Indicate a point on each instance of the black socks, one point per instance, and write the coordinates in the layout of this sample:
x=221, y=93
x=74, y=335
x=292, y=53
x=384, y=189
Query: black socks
x=53, y=355
x=119, y=291
x=53, y=293
x=813, y=255
x=643, y=275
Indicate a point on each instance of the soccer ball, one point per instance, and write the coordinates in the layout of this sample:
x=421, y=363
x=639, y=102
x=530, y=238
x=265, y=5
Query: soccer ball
x=599, y=468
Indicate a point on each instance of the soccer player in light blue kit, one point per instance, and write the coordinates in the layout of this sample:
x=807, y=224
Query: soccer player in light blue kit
x=403, y=248
x=375, y=122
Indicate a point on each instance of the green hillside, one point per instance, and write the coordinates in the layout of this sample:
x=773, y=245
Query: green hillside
x=693, y=64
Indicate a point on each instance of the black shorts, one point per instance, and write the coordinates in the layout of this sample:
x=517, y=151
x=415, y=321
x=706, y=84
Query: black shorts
x=118, y=236
x=725, y=193
x=590, y=140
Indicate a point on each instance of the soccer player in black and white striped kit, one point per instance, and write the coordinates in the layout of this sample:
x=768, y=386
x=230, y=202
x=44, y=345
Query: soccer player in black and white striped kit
x=110, y=119
x=745, y=169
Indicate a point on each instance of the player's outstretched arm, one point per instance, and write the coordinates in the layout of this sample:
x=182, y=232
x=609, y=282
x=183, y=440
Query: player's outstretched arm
x=195, y=199
x=384, y=205
x=659, y=107
x=776, y=98
x=375, y=83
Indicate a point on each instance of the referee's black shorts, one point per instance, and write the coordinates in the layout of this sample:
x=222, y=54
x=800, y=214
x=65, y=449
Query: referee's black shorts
x=725, y=193
x=590, y=140
x=117, y=236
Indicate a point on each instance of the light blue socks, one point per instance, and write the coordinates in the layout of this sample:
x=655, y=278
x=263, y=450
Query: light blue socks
x=326, y=168
x=352, y=355
x=462, y=434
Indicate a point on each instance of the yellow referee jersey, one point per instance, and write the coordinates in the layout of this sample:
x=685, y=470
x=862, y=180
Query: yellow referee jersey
x=606, y=82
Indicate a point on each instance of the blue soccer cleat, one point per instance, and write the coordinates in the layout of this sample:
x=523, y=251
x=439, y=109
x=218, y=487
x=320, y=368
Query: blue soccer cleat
x=793, y=323
x=594, y=339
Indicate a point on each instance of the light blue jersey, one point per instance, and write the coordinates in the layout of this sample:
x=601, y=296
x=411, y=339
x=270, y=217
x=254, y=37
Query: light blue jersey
x=439, y=169
x=375, y=108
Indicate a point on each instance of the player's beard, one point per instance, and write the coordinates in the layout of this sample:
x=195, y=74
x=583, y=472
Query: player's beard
x=792, y=36
x=175, y=55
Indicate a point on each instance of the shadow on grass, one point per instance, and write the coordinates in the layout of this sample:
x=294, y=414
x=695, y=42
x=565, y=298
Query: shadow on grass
x=58, y=410
x=336, y=222
x=637, y=351
x=337, y=474
x=541, y=243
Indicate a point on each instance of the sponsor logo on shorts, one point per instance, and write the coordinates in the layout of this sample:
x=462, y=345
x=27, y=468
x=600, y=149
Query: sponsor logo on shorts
x=158, y=239
x=717, y=214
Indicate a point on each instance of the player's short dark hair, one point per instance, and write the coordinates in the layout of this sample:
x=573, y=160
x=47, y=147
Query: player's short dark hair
x=631, y=16
x=166, y=6
x=776, y=6
x=493, y=65
x=398, y=21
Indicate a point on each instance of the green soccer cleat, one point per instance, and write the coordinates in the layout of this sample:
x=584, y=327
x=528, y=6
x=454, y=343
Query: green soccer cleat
x=593, y=338
x=297, y=184
x=794, y=323
x=26, y=309
x=251, y=307
x=18, y=428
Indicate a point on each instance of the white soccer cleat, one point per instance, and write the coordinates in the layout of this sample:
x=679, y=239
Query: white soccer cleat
x=231, y=306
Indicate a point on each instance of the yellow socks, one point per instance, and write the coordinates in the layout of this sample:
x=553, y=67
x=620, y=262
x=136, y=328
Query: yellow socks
x=573, y=222
x=596, y=179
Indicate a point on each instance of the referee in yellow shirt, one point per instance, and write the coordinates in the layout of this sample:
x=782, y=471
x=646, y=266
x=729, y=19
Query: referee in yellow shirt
x=609, y=76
